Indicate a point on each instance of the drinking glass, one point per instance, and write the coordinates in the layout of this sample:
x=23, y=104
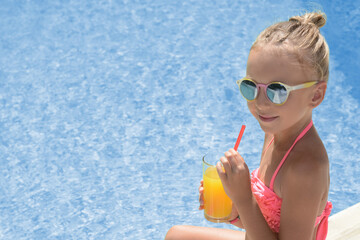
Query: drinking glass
x=217, y=205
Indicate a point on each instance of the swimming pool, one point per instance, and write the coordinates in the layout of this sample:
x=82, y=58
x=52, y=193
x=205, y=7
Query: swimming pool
x=108, y=107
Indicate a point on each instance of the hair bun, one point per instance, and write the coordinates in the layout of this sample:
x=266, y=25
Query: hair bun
x=316, y=18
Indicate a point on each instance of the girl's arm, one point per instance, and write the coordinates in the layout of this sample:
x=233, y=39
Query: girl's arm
x=304, y=191
x=253, y=221
x=304, y=185
x=238, y=224
x=267, y=138
x=236, y=182
x=235, y=214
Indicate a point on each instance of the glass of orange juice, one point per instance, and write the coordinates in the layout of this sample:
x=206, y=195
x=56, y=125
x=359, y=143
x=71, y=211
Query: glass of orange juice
x=217, y=205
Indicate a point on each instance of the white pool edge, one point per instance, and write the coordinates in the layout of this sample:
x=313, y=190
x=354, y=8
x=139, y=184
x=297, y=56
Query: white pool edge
x=345, y=225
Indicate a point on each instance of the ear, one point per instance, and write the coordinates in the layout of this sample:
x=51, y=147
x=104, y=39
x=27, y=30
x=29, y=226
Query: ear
x=318, y=94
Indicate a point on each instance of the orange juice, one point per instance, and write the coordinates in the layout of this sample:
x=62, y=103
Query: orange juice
x=217, y=205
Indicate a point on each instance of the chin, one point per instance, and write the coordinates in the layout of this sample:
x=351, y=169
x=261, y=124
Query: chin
x=269, y=128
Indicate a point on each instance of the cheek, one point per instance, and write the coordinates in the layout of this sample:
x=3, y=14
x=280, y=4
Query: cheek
x=298, y=100
x=293, y=108
x=251, y=106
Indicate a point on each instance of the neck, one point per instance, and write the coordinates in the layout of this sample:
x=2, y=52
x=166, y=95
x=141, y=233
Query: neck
x=284, y=139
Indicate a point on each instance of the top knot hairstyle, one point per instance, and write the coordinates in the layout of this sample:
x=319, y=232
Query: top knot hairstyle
x=301, y=36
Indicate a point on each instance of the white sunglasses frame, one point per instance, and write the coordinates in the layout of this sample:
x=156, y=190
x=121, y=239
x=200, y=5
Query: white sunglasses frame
x=265, y=86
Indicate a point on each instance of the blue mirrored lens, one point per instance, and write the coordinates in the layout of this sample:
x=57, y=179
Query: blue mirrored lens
x=277, y=93
x=248, y=90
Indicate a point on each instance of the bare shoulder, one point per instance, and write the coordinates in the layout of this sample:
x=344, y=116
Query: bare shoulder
x=310, y=155
x=309, y=165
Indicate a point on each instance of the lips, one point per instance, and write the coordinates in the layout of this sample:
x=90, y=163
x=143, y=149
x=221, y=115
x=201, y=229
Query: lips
x=265, y=118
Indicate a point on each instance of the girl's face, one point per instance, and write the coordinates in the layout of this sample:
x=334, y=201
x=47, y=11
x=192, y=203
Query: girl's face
x=265, y=66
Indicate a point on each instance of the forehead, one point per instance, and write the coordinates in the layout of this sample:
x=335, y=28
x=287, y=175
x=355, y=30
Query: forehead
x=269, y=64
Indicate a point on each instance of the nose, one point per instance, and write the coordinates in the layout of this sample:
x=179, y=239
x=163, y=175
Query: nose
x=262, y=101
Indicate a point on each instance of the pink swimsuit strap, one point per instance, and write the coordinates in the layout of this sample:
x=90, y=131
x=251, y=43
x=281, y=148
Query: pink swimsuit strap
x=287, y=153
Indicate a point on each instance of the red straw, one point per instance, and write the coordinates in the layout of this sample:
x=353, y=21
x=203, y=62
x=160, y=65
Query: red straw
x=239, y=137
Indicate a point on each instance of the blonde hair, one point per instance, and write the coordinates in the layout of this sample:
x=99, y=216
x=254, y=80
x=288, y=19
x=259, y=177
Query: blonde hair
x=300, y=35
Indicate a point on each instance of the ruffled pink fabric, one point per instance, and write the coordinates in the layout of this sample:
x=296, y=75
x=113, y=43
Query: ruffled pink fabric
x=269, y=203
x=270, y=206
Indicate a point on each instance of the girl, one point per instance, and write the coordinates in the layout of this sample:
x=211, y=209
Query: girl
x=286, y=197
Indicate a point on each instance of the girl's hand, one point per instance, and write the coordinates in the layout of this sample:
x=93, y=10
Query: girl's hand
x=201, y=195
x=236, y=177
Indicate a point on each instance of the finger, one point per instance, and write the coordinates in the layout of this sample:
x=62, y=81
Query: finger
x=221, y=172
x=237, y=156
x=239, y=159
x=201, y=193
x=234, y=158
x=225, y=165
x=201, y=207
x=231, y=158
x=202, y=182
x=201, y=190
x=201, y=201
x=201, y=198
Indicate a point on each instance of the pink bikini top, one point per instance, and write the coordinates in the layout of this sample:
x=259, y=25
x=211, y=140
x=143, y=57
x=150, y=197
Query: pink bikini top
x=270, y=203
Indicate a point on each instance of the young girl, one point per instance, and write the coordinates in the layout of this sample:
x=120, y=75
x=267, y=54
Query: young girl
x=286, y=197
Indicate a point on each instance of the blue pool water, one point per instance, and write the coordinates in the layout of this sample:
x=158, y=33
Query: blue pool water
x=108, y=106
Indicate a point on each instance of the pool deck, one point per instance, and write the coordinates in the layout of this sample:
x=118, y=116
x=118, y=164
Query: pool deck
x=345, y=225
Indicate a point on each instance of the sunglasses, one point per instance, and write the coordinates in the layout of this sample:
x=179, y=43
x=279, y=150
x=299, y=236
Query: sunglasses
x=276, y=92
